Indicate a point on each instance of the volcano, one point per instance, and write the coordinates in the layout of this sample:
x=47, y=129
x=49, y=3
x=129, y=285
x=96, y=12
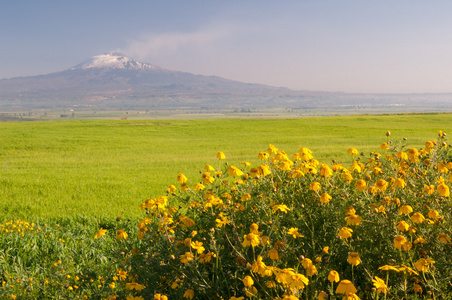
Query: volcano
x=113, y=80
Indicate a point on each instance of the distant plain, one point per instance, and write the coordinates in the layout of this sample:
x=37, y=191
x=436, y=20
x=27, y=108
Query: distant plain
x=102, y=168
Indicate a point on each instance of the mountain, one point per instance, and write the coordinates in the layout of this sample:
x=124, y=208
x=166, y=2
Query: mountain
x=114, y=80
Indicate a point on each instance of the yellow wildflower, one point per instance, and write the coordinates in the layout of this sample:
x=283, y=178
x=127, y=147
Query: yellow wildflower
x=100, y=233
x=333, y=276
x=380, y=285
x=345, y=233
x=353, y=258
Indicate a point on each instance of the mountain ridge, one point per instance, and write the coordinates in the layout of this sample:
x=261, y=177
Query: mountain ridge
x=115, y=81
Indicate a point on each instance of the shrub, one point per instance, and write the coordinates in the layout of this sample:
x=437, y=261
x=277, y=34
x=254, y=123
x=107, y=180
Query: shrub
x=298, y=229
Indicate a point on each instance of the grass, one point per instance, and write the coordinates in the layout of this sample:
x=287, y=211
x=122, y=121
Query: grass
x=104, y=168
x=71, y=178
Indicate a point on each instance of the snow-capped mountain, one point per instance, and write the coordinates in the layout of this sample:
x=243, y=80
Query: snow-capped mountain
x=115, y=80
x=114, y=60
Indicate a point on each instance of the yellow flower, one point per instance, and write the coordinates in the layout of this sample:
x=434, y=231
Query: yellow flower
x=345, y=233
x=443, y=190
x=442, y=168
x=306, y=154
x=130, y=297
x=325, y=171
x=246, y=197
x=407, y=246
x=325, y=198
x=187, y=221
x=306, y=263
x=361, y=185
x=273, y=254
x=134, y=286
x=443, y=238
x=325, y=249
x=254, y=228
x=121, y=234
x=406, y=209
x=353, y=258
x=207, y=178
x=350, y=211
x=417, y=218
x=199, y=187
x=351, y=296
x=433, y=214
x=206, y=257
x=380, y=285
x=402, y=226
x=272, y=149
x=353, y=220
x=356, y=166
x=189, y=294
x=294, y=232
x=322, y=296
x=399, y=241
x=184, y=187
x=264, y=170
x=236, y=298
x=352, y=151
x=400, y=183
x=384, y=146
x=419, y=240
x=297, y=281
x=251, y=239
x=262, y=155
x=171, y=189
x=388, y=268
x=280, y=207
x=186, y=258
x=381, y=185
x=209, y=168
x=121, y=274
x=285, y=165
x=160, y=297
x=333, y=276
x=404, y=269
x=413, y=154
x=181, y=178
x=345, y=287
x=423, y=264
x=100, y=233
x=297, y=174
x=234, y=171
x=198, y=247
x=248, y=281
x=220, y=155
x=315, y=186
x=402, y=155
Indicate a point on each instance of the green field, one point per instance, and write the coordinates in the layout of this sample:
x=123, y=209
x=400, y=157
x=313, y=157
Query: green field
x=105, y=168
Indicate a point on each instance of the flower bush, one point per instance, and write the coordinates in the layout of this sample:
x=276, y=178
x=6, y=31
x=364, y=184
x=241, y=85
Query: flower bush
x=295, y=228
x=377, y=226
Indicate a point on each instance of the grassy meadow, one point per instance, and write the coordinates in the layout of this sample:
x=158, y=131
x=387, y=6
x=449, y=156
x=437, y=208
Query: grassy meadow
x=105, y=168
x=85, y=212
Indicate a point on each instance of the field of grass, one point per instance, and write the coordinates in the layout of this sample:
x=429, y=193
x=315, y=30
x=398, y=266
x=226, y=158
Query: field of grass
x=67, y=180
x=105, y=168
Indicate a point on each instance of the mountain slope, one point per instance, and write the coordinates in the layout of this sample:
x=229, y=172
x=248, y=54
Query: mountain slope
x=111, y=78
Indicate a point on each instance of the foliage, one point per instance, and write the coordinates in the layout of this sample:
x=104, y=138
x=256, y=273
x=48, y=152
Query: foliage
x=105, y=168
x=298, y=229
x=61, y=260
x=375, y=227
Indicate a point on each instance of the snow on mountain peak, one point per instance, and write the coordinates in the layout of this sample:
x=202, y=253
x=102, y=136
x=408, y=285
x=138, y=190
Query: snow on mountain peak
x=114, y=60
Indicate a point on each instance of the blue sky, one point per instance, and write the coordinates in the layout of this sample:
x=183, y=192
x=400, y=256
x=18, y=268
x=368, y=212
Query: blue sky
x=383, y=46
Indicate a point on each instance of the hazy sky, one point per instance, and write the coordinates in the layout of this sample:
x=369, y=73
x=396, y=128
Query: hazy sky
x=385, y=46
